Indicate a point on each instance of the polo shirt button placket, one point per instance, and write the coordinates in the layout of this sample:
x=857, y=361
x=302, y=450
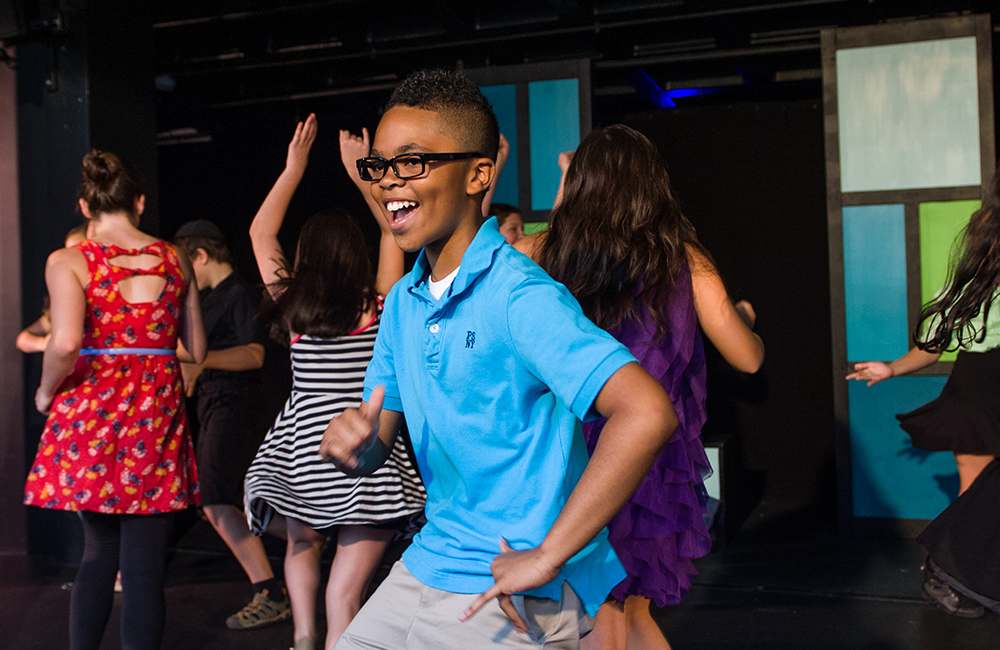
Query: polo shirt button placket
x=432, y=346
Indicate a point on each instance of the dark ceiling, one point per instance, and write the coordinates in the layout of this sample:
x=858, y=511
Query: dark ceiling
x=221, y=55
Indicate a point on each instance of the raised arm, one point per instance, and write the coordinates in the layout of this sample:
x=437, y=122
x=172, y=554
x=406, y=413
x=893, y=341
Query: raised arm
x=727, y=326
x=63, y=273
x=267, y=222
x=502, y=153
x=390, y=256
x=193, y=344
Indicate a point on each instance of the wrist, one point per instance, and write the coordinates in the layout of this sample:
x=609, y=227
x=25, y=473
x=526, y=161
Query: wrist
x=551, y=557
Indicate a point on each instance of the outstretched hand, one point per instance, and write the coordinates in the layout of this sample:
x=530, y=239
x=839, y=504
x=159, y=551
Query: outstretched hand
x=514, y=572
x=352, y=432
x=871, y=371
x=352, y=148
x=302, y=142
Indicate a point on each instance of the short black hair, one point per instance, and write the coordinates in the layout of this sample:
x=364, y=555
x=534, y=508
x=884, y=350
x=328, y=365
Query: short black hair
x=502, y=210
x=451, y=92
x=216, y=249
x=203, y=234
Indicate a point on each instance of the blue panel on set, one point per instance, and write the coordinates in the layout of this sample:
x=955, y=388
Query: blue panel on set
x=890, y=478
x=875, y=282
x=554, y=119
x=504, y=101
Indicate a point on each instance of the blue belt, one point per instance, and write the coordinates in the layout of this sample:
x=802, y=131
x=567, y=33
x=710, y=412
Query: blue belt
x=162, y=352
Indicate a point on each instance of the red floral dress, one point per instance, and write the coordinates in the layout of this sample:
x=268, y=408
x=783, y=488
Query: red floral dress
x=117, y=439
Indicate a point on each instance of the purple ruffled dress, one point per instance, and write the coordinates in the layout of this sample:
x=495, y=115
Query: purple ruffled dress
x=661, y=528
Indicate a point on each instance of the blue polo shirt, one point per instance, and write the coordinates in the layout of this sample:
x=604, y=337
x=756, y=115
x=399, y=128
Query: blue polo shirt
x=493, y=380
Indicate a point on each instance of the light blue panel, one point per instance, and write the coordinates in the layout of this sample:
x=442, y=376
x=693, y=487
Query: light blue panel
x=504, y=101
x=890, y=478
x=908, y=115
x=554, y=123
x=875, y=282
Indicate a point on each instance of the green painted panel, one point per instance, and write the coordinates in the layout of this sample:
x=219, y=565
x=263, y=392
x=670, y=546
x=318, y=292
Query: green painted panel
x=908, y=115
x=941, y=222
x=531, y=227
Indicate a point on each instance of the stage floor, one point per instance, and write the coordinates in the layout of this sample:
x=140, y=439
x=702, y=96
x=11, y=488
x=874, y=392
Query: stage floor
x=821, y=594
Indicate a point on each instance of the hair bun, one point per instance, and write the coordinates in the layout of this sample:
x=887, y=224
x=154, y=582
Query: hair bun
x=106, y=184
x=101, y=167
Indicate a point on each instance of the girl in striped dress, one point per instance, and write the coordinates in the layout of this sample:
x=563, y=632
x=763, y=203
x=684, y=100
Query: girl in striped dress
x=328, y=305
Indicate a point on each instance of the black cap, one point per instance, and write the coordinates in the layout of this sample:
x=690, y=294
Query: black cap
x=200, y=228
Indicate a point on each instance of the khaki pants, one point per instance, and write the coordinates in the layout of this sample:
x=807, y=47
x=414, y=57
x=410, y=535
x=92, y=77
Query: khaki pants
x=405, y=613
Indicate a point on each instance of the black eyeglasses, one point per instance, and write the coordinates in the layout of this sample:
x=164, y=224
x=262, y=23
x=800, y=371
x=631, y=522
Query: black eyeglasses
x=406, y=165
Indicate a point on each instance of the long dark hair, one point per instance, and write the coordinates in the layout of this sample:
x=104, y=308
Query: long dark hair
x=330, y=283
x=618, y=237
x=972, y=282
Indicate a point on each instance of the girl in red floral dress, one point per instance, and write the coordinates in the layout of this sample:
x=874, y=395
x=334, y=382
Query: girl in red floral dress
x=116, y=447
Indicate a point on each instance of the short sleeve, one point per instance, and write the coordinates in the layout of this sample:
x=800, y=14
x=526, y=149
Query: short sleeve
x=246, y=322
x=382, y=368
x=561, y=346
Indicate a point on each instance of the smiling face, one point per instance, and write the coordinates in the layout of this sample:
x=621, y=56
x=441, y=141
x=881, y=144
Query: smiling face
x=425, y=212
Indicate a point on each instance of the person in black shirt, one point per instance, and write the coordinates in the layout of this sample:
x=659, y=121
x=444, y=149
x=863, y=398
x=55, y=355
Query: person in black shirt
x=225, y=388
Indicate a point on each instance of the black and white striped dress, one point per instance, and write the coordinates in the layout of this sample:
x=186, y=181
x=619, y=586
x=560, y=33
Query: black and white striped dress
x=288, y=477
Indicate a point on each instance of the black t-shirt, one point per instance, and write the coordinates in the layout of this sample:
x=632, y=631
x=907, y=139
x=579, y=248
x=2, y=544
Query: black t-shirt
x=229, y=312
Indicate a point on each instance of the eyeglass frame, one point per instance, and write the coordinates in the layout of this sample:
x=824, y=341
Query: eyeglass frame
x=423, y=157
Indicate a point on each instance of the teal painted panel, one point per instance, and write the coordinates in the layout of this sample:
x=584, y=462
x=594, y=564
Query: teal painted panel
x=890, y=478
x=554, y=125
x=504, y=101
x=875, y=302
x=908, y=115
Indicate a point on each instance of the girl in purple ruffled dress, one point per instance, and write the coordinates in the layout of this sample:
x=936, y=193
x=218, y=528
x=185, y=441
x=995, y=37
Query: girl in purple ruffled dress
x=621, y=244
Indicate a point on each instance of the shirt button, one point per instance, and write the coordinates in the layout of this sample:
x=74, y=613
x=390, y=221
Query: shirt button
x=434, y=328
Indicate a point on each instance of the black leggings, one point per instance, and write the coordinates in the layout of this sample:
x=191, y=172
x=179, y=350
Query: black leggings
x=138, y=545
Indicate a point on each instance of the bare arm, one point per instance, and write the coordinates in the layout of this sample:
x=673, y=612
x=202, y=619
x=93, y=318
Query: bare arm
x=237, y=358
x=876, y=371
x=640, y=420
x=390, y=256
x=34, y=337
x=502, y=153
x=565, y=158
x=726, y=327
x=271, y=214
x=192, y=345
x=67, y=310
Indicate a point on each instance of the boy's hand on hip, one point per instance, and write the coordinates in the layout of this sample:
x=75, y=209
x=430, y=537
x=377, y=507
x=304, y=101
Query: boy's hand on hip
x=351, y=433
x=514, y=572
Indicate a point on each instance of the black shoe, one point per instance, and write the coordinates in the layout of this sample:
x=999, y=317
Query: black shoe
x=942, y=595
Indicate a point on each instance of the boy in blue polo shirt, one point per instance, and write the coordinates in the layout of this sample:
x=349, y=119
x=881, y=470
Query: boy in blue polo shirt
x=493, y=364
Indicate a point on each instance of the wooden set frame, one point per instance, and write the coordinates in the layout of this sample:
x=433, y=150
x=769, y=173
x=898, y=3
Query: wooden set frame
x=520, y=76
x=833, y=40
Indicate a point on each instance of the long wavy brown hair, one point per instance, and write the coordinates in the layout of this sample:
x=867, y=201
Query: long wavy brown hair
x=329, y=285
x=958, y=316
x=617, y=239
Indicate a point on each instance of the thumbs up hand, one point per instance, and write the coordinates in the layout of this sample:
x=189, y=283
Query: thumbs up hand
x=352, y=433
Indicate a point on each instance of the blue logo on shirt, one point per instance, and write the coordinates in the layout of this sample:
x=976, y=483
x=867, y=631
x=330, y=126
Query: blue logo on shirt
x=470, y=340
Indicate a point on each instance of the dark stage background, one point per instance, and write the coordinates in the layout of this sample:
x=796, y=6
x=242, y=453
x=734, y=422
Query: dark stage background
x=203, y=100
x=750, y=175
